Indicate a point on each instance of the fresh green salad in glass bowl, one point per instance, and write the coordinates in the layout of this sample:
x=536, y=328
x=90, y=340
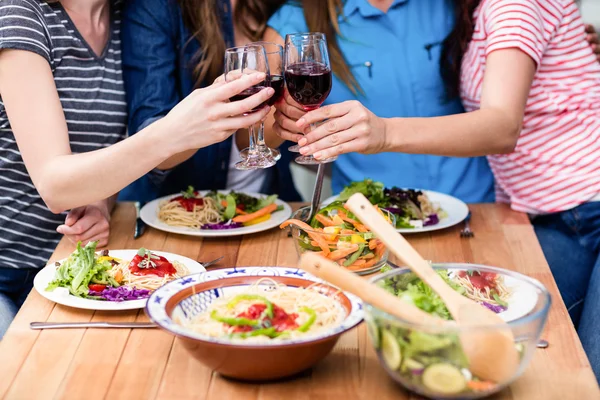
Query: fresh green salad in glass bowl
x=429, y=360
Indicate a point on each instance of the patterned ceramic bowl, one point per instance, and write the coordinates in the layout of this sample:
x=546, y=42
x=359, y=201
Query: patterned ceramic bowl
x=180, y=301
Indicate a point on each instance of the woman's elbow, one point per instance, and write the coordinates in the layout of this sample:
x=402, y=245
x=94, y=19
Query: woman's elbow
x=510, y=137
x=52, y=197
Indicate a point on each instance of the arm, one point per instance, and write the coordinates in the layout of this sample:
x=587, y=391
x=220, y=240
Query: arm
x=493, y=129
x=271, y=137
x=66, y=180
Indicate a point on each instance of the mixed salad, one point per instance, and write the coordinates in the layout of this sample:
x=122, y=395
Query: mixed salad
x=411, y=208
x=337, y=234
x=89, y=275
x=429, y=363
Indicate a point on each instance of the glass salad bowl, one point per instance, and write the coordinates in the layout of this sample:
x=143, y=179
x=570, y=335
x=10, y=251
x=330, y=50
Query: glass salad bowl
x=360, y=252
x=429, y=360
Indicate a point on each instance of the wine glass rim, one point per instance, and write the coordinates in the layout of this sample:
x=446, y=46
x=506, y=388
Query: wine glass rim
x=308, y=34
x=245, y=48
x=263, y=43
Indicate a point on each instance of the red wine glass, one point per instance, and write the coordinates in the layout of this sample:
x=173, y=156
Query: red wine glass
x=240, y=61
x=274, y=53
x=307, y=76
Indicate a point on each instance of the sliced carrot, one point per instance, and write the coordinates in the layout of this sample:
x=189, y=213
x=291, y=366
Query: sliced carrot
x=324, y=220
x=239, y=211
x=370, y=263
x=480, y=386
x=343, y=252
x=249, y=217
x=359, y=227
x=315, y=243
x=373, y=244
x=317, y=237
x=224, y=203
x=347, y=232
x=358, y=263
x=119, y=276
x=367, y=256
x=380, y=250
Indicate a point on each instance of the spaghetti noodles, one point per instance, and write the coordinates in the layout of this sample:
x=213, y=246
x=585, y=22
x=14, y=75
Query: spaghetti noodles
x=190, y=214
x=277, y=313
x=148, y=281
x=484, y=288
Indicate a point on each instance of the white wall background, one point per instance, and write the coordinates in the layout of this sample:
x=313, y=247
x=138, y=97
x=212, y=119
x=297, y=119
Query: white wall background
x=305, y=179
x=590, y=9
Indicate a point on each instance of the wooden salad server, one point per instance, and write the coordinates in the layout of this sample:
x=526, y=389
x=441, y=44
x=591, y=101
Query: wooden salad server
x=331, y=272
x=491, y=351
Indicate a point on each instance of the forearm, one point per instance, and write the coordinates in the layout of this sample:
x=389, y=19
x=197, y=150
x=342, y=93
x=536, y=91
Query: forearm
x=74, y=180
x=478, y=133
x=176, y=159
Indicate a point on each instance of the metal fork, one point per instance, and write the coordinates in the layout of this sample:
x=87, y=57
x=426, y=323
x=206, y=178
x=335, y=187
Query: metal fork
x=466, y=232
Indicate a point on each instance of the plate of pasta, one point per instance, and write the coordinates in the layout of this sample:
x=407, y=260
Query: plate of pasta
x=111, y=279
x=215, y=213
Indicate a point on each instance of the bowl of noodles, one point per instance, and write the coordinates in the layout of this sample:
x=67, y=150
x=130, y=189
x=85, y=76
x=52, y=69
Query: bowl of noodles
x=255, y=323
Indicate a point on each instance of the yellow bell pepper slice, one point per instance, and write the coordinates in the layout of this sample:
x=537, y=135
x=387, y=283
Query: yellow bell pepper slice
x=357, y=239
x=337, y=220
x=258, y=220
x=331, y=232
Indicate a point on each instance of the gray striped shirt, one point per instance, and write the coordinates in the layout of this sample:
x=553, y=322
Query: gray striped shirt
x=91, y=91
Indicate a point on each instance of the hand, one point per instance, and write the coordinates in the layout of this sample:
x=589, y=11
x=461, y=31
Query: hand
x=286, y=114
x=87, y=224
x=207, y=116
x=593, y=40
x=351, y=127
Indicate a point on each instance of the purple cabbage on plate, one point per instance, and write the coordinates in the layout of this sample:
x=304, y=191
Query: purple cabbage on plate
x=222, y=225
x=121, y=293
x=431, y=219
x=497, y=309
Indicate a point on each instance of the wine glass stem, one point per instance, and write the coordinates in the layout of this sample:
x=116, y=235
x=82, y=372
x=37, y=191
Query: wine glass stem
x=260, y=141
x=252, y=151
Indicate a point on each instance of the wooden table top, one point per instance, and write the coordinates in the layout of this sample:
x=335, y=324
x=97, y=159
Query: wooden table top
x=151, y=364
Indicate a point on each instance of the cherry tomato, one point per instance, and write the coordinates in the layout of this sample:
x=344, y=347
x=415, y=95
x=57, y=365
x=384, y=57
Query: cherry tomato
x=96, y=287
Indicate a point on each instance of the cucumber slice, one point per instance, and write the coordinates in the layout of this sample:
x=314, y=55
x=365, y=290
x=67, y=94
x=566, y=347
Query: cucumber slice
x=444, y=379
x=390, y=349
x=373, y=332
x=413, y=364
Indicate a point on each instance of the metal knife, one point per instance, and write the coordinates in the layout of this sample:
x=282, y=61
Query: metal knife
x=65, y=325
x=140, y=226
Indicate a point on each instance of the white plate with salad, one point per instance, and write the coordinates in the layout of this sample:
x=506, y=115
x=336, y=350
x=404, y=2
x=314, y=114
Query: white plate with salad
x=215, y=213
x=110, y=279
x=415, y=210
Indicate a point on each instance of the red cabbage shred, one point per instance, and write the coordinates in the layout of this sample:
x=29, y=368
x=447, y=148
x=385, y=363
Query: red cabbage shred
x=121, y=293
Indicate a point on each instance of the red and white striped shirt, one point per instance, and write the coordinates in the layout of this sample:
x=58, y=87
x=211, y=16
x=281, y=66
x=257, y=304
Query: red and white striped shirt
x=556, y=164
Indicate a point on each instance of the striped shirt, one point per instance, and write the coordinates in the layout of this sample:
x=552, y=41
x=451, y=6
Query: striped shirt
x=556, y=163
x=90, y=88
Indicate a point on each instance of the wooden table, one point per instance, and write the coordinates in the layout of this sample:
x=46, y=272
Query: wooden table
x=147, y=364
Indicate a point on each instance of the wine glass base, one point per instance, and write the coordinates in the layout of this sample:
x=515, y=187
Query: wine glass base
x=294, y=149
x=275, y=154
x=310, y=160
x=254, y=163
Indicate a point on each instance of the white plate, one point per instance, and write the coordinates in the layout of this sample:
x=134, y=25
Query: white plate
x=149, y=215
x=62, y=296
x=522, y=300
x=455, y=209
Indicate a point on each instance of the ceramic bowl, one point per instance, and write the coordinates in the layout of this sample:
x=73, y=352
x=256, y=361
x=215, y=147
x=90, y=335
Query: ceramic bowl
x=180, y=301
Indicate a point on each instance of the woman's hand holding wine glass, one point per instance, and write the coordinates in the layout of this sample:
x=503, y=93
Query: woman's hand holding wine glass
x=350, y=127
x=207, y=116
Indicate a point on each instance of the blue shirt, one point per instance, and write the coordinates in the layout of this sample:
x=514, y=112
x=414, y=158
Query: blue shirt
x=395, y=57
x=158, y=63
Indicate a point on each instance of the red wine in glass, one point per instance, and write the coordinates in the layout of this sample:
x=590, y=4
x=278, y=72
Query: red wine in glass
x=277, y=83
x=309, y=83
x=250, y=92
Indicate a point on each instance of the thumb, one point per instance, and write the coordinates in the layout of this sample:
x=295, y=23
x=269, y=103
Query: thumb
x=74, y=215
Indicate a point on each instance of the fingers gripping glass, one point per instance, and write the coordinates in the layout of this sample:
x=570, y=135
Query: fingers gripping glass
x=274, y=54
x=240, y=61
x=307, y=76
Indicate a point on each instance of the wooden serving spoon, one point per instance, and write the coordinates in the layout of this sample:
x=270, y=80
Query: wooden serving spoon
x=491, y=352
x=372, y=294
